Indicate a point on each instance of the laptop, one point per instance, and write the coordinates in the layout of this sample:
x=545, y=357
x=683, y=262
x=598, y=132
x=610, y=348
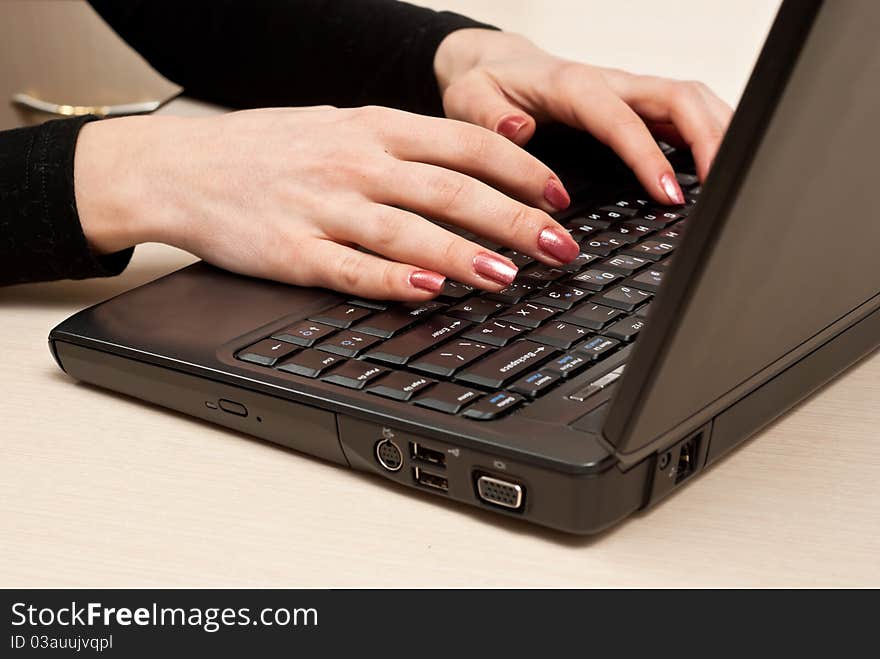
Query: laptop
x=582, y=394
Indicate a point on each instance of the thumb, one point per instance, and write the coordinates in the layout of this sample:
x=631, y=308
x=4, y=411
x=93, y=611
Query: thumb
x=478, y=100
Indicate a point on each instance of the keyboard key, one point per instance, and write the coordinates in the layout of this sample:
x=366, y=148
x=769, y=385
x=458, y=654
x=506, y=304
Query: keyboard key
x=626, y=329
x=686, y=180
x=621, y=208
x=514, y=293
x=519, y=259
x=634, y=228
x=605, y=216
x=658, y=218
x=266, y=352
x=566, y=365
x=595, y=280
x=580, y=262
x=388, y=323
x=597, y=347
x=528, y=314
x=648, y=280
x=348, y=343
x=304, y=333
x=506, y=364
x=494, y=333
x=593, y=316
x=635, y=204
x=369, y=304
x=671, y=234
x=535, y=384
x=541, y=274
x=400, y=385
x=309, y=363
x=644, y=310
x=455, y=290
x=450, y=357
x=625, y=263
x=425, y=336
x=354, y=374
x=560, y=296
x=623, y=297
x=493, y=406
x=559, y=335
x=447, y=397
x=476, y=310
x=342, y=316
x=604, y=243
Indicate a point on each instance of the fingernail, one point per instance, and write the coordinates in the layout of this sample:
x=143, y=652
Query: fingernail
x=510, y=126
x=427, y=280
x=492, y=266
x=558, y=244
x=671, y=188
x=556, y=195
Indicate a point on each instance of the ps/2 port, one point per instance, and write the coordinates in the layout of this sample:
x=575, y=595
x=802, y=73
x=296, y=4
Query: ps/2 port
x=389, y=455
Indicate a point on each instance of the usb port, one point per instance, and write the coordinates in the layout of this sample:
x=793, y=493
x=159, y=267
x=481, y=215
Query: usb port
x=428, y=479
x=424, y=454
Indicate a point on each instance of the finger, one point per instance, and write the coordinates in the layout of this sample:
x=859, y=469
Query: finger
x=478, y=99
x=480, y=153
x=723, y=112
x=406, y=237
x=667, y=133
x=458, y=199
x=594, y=107
x=342, y=268
x=682, y=104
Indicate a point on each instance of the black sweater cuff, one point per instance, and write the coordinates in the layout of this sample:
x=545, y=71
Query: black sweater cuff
x=425, y=41
x=41, y=237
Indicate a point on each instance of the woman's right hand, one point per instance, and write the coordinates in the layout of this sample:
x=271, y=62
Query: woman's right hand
x=288, y=194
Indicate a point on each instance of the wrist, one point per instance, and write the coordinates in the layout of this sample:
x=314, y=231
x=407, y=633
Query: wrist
x=463, y=50
x=112, y=183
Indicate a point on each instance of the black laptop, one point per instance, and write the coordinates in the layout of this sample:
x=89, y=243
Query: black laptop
x=581, y=394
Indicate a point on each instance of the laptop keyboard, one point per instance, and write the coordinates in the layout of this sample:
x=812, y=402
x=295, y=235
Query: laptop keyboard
x=482, y=355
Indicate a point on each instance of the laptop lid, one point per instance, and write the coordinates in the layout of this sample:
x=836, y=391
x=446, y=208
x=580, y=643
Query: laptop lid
x=784, y=245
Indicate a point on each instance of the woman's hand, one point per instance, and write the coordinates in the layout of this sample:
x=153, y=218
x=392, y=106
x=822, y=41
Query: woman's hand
x=288, y=194
x=505, y=83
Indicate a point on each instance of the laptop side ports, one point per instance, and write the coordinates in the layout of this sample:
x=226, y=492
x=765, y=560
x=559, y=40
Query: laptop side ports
x=676, y=464
x=422, y=453
x=433, y=481
x=389, y=455
x=501, y=492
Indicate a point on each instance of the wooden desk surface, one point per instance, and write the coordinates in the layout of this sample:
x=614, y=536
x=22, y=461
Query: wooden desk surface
x=101, y=490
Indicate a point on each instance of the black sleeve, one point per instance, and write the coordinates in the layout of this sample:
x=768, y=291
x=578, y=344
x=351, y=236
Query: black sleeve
x=256, y=53
x=40, y=233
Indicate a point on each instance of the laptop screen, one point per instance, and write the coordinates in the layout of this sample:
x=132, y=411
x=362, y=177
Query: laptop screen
x=795, y=249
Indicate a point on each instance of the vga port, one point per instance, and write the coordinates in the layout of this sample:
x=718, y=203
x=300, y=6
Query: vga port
x=500, y=492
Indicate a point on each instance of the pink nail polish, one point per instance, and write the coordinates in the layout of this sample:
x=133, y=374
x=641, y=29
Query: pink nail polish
x=427, y=280
x=510, y=126
x=556, y=195
x=671, y=188
x=492, y=266
x=558, y=244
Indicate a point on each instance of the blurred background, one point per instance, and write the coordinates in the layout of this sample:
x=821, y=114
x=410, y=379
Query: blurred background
x=59, y=51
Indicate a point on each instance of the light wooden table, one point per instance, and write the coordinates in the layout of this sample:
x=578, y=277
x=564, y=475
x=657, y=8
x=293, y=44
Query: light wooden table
x=101, y=490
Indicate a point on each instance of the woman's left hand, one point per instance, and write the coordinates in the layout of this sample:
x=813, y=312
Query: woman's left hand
x=505, y=83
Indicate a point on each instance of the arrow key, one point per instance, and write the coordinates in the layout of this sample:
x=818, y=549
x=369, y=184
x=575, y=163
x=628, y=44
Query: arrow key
x=266, y=352
x=348, y=344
